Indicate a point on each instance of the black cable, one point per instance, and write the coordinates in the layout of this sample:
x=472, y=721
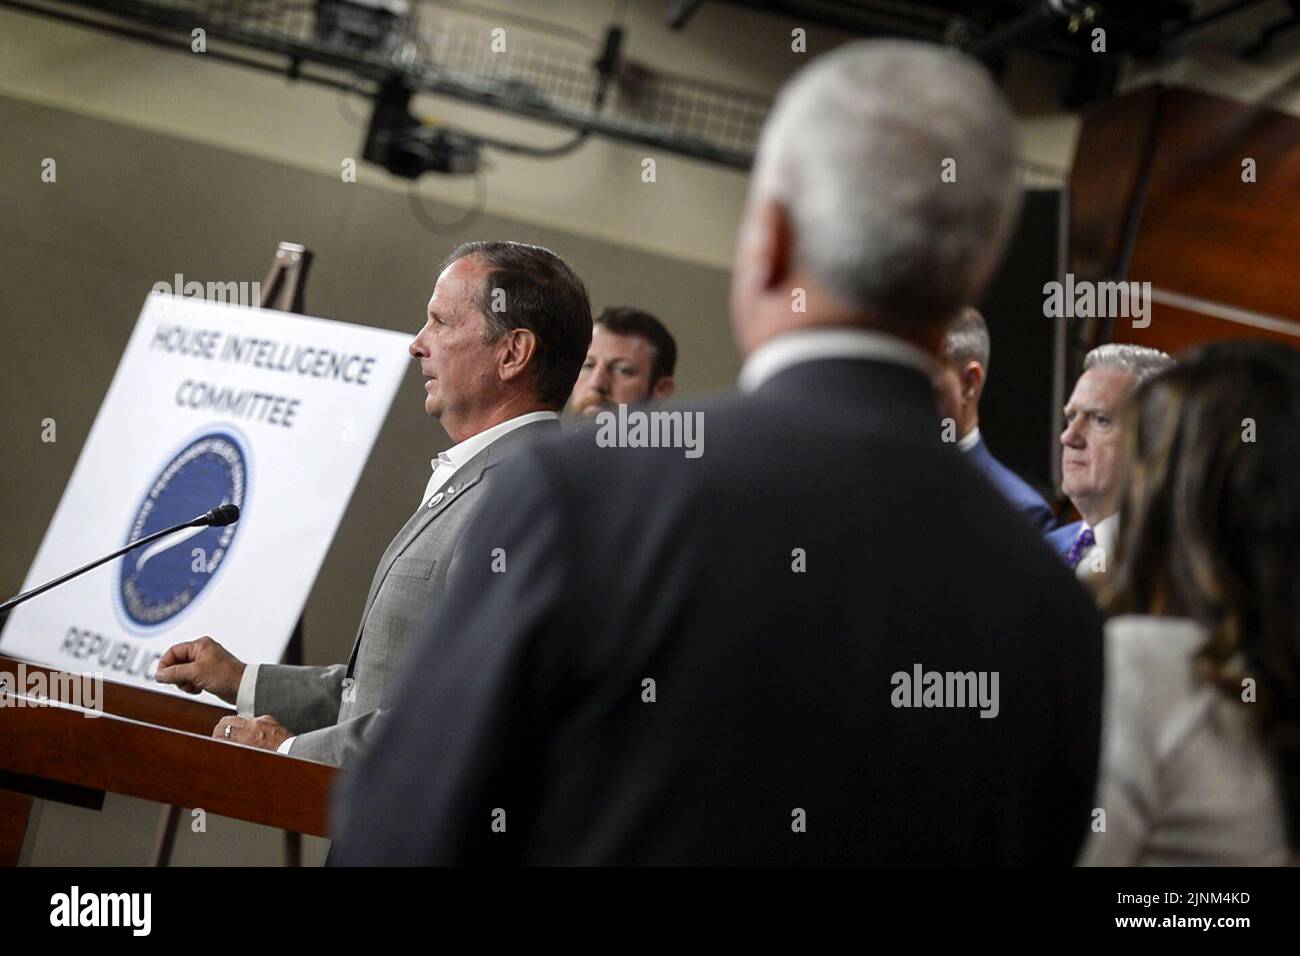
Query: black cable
x=437, y=228
x=522, y=149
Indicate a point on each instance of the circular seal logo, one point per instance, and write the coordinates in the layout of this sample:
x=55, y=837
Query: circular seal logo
x=162, y=579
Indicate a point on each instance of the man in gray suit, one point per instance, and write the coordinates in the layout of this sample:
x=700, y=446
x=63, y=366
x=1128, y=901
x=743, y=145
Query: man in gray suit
x=507, y=330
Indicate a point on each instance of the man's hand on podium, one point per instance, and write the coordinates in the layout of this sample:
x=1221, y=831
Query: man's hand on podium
x=201, y=665
x=265, y=731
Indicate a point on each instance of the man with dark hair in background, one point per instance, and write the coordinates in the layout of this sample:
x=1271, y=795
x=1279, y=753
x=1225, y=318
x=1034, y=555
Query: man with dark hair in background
x=631, y=360
x=960, y=384
x=504, y=334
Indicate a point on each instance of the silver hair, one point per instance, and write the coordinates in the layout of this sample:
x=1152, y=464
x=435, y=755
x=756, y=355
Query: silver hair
x=855, y=148
x=968, y=339
x=1137, y=360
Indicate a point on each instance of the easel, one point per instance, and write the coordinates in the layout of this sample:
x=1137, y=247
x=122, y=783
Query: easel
x=284, y=290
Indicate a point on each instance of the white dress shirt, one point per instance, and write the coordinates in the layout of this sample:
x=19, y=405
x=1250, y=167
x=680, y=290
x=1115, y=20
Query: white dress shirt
x=448, y=462
x=444, y=466
x=810, y=345
x=970, y=440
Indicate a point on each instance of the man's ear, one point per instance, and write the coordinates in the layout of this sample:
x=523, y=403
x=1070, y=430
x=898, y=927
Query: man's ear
x=662, y=388
x=764, y=252
x=972, y=382
x=773, y=244
x=520, y=345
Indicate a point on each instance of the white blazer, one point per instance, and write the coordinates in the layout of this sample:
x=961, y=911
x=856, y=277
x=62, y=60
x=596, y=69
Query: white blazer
x=1185, y=779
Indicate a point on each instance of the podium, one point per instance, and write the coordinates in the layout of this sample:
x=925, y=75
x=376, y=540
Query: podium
x=147, y=745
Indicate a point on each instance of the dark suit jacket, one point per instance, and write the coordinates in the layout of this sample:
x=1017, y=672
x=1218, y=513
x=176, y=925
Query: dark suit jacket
x=1019, y=492
x=772, y=736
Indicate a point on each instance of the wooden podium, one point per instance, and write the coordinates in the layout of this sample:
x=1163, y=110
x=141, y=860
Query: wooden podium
x=153, y=745
x=147, y=745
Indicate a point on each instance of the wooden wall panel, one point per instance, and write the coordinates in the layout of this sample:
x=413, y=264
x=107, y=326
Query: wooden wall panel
x=1104, y=176
x=1204, y=233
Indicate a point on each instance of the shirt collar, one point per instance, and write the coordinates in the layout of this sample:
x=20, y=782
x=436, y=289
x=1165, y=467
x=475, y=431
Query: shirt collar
x=810, y=345
x=1107, y=527
x=458, y=454
x=971, y=439
x=1105, y=532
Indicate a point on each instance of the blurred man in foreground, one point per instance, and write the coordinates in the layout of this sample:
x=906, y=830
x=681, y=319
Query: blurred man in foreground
x=769, y=653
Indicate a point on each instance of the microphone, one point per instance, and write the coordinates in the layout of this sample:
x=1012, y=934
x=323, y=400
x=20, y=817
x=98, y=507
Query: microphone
x=218, y=517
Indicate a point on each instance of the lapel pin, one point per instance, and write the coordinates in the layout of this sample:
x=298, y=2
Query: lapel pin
x=435, y=499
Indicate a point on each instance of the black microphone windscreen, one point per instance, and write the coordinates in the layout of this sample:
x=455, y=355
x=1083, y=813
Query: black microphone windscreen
x=223, y=515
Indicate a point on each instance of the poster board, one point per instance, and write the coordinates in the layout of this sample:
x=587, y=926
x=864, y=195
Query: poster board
x=211, y=404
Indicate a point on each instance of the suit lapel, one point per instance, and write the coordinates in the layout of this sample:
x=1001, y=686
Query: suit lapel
x=389, y=555
x=463, y=478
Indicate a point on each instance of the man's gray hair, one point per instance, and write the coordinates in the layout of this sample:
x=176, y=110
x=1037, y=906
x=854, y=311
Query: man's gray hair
x=1137, y=360
x=968, y=339
x=859, y=148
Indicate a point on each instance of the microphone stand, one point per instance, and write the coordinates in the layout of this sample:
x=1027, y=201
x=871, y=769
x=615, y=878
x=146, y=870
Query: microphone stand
x=214, y=518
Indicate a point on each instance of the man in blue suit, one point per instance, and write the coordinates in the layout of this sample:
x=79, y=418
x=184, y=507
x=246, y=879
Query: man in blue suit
x=960, y=383
x=1092, y=446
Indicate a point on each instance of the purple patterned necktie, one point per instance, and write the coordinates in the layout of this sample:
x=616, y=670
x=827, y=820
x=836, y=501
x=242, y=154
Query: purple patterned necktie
x=1081, y=544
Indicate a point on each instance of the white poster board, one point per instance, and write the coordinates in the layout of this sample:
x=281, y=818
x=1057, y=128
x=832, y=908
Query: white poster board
x=212, y=404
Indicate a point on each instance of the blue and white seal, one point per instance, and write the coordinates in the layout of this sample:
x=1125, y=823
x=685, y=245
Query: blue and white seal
x=158, y=582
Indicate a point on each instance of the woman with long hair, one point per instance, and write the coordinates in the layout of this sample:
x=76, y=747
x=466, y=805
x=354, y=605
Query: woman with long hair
x=1201, y=754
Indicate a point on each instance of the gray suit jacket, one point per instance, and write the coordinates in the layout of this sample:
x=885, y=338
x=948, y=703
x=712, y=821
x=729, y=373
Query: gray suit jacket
x=333, y=710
